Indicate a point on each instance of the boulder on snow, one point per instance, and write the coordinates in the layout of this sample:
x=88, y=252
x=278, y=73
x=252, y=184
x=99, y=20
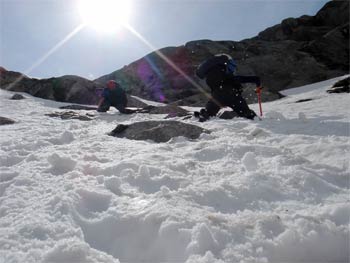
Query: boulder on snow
x=157, y=131
x=167, y=109
x=5, y=121
x=135, y=102
x=17, y=97
x=303, y=100
x=77, y=107
x=341, y=86
x=68, y=115
x=171, y=110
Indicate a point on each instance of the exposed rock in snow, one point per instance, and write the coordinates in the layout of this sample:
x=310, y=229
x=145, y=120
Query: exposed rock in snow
x=341, y=86
x=158, y=131
x=303, y=100
x=77, y=107
x=65, y=115
x=135, y=102
x=171, y=110
x=68, y=88
x=17, y=97
x=4, y=121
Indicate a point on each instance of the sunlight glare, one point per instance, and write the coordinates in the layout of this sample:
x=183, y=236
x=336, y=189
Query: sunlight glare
x=105, y=15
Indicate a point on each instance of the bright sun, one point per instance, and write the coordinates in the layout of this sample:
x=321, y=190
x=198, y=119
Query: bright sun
x=105, y=15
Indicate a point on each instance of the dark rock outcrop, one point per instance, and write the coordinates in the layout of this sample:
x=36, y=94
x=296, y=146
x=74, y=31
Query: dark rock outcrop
x=297, y=52
x=17, y=97
x=71, y=115
x=171, y=110
x=65, y=89
x=157, y=131
x=341, y=86
x=5, y=121
x=303, y=100
x=135, y=103
x=77, y=107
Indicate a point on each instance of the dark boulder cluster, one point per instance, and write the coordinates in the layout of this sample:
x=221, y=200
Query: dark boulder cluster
x=77, y=107
x=297, y=52
x=5, y=121
x=341, y=86
x=65, y=89
x=71, y=115
x=17, y=97
x=68, y=88
x=172, y=111
x=157, y=131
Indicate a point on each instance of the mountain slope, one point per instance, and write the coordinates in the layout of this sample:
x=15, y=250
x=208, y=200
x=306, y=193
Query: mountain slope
x=297, y=52
x=275, y=190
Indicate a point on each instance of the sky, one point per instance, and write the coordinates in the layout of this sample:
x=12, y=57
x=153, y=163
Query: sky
x=31, y=31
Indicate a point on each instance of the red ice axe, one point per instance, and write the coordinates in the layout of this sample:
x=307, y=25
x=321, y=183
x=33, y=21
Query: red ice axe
x=258, y=92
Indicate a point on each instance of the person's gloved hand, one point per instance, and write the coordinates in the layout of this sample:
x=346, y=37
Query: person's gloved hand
x=258, y=89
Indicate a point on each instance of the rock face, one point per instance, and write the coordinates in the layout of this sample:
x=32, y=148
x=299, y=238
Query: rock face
x=342, y=86
x=71, y=115
x=297, y=52
x=17, y=97
x=157, y=131
x=77, y=107
x=5, y=121
x=171, y=110
x=134, y=102
x=65, y=89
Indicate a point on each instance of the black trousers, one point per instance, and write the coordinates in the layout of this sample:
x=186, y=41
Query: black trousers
x=232, y=99
x=120, y=107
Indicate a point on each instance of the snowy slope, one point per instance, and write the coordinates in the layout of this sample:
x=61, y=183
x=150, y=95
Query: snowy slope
x=275, y=190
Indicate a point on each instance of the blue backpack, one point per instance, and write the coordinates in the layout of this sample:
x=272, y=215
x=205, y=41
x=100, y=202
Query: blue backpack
x=222, y=59
x=231, y=66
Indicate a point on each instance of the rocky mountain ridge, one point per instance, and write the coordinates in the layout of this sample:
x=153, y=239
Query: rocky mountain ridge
x=67, y=88
x=297, y=52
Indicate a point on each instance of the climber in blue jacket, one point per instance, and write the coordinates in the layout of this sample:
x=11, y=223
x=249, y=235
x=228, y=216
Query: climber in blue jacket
x=113, y=95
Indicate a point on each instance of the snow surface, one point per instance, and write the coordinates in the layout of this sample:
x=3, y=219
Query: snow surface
x=275, y=190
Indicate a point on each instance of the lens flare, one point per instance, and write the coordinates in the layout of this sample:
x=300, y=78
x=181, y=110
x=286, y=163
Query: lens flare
x=105, y=15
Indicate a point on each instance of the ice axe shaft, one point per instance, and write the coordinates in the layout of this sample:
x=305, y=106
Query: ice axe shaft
x=258, y=92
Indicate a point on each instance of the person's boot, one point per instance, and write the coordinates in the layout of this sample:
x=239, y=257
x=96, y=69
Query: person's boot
x=250, y=114
x=203, y=115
